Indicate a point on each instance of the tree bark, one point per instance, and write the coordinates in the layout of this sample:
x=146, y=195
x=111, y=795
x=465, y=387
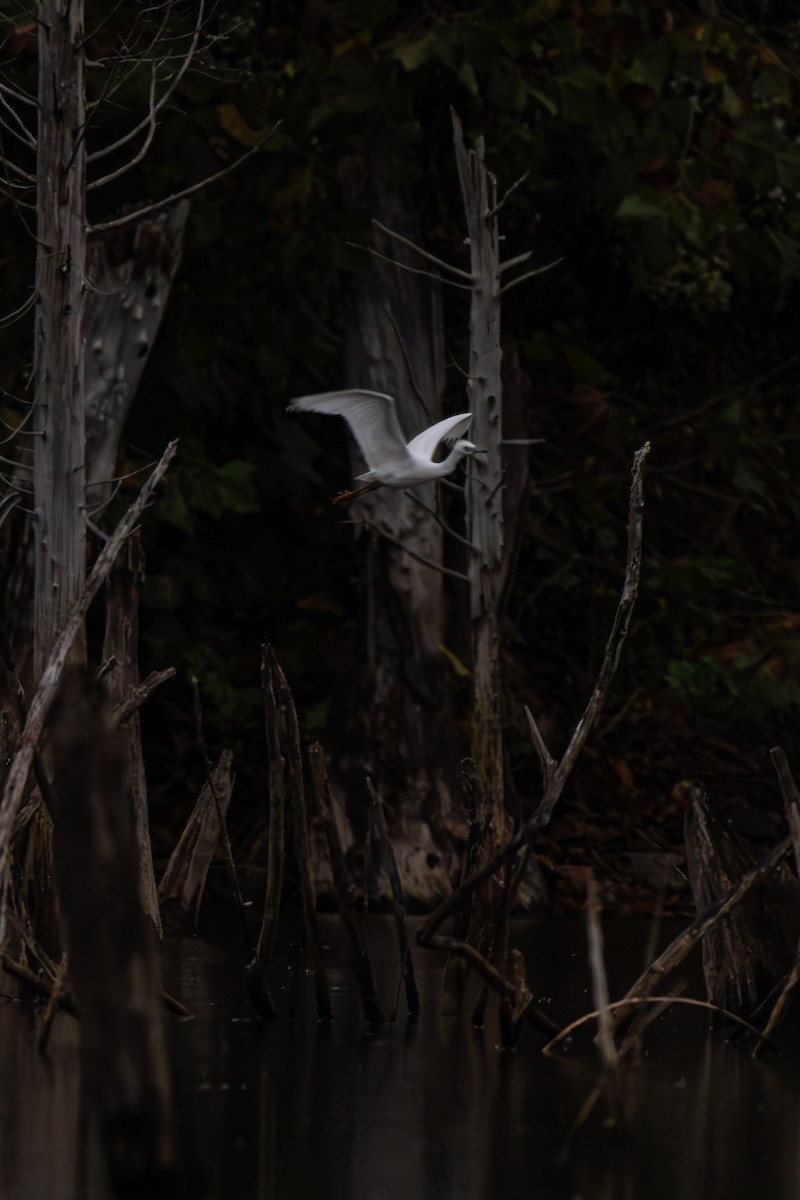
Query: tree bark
x=485, y=479
x=395, y=344
x=121, y=643
x=59, y=469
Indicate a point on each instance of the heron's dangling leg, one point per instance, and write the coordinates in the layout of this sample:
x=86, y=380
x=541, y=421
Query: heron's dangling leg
x=345, y=497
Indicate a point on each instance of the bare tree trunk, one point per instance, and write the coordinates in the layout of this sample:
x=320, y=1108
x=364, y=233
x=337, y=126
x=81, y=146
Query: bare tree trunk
x=121, y=643
x=395, y=344
x=484, y=488
x=59, y=469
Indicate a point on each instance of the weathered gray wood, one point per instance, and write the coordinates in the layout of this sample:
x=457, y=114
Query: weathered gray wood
x=184, y=880
x=121, y=643
x=485, y=482
x=394, y=343
x=274, y=722
x=113, y=951
x=286, y=783
x=130, y=272
x=59, y=466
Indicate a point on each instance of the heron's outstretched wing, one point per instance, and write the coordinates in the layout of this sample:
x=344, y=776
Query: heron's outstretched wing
x=425, y=443
x=372, y=419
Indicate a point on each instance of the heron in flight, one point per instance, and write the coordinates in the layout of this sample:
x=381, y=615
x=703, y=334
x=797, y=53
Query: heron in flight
x=392, y=461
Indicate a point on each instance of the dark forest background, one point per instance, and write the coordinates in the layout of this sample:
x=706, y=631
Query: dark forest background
x=658, y=148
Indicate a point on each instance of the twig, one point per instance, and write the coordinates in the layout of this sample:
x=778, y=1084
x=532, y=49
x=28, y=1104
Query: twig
x=149, y=121
x=426, y=562
x=530, y=275
x=44, y=695
x=405, y=267
x=663, y=1000
x=440, y=521
x=22, y=97
x=20, y=312
x=158, y=205
x=35, y=980
x=506, y=194
x=439, y=262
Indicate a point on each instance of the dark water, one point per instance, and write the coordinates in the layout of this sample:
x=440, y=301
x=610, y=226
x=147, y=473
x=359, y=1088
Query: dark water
x=300, y=1111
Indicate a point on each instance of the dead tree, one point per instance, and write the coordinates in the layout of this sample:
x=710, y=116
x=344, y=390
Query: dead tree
x=394, y=343
x=100, y=290
x=59, y=417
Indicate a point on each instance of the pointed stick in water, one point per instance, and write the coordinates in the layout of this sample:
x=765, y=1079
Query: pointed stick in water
x=389, y=863
x=343, y=887
x=605, y=1028
x=289, y=736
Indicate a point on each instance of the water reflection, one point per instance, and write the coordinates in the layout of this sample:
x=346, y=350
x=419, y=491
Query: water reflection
x=432, y=1111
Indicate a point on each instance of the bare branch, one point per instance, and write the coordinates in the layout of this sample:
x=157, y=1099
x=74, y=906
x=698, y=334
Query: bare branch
x=22, y=132
x=530, y=275
x=149, y=121
x=664, y=1000
x=440, y=521
x=404, y=266
x=515, y=262
x=509, y=192
x=19, y=312
x=140, y=154
x=426, y=562
x=16, y=170
x=158, y=205
x=439, y=262
x=20, y=97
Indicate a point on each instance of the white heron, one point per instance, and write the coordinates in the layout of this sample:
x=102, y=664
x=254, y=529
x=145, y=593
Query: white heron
x=392, y=461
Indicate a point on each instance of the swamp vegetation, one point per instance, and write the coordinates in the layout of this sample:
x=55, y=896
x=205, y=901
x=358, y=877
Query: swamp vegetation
x=567, y=685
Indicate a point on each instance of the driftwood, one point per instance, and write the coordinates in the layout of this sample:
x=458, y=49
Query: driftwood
x=184, y=880
x=113, y=951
